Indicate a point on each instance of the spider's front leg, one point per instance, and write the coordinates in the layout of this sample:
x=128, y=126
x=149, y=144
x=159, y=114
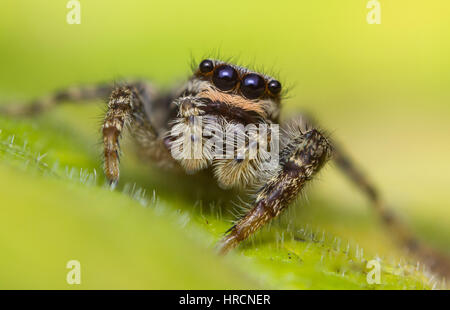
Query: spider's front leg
x=302, y=157
x=126, y=109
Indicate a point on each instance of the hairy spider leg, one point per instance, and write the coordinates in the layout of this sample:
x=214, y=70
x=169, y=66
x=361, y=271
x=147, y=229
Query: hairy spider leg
x=302, y=157
x=71, y=94
x=126, y=109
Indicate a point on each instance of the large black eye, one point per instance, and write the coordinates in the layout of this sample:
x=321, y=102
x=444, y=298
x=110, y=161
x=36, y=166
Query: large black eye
x=206, y=66
x=253, y=86
x=274, y=87
x=225, y=77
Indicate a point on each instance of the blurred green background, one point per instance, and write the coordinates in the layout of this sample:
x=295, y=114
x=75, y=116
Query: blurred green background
x=382, y=90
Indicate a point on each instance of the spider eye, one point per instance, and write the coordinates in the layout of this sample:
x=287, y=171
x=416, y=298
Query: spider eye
x=253, y=86
x=225, y=77
x=274, y=87
x=206, y=66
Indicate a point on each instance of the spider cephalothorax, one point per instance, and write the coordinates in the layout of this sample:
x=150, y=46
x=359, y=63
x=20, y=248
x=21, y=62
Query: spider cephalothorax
x=237, y=87
x=221, y=100
x=221, y=97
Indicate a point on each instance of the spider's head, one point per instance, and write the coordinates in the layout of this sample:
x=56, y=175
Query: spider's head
x=235, y=92
x=222, y=94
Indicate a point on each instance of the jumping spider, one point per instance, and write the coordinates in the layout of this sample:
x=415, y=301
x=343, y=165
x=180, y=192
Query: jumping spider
x=233, y=95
